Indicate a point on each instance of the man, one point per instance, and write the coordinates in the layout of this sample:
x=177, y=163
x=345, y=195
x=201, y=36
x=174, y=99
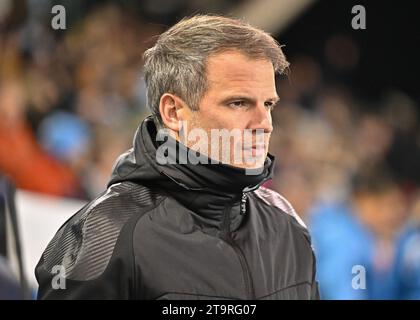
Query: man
x=167, y=228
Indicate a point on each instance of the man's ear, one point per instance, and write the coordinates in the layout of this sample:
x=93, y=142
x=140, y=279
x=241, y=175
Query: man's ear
x=173, y=110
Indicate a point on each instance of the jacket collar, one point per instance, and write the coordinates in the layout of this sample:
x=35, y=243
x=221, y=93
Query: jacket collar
x=209, y=190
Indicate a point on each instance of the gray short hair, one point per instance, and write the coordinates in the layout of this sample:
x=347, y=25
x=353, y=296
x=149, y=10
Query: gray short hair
x=176, y=64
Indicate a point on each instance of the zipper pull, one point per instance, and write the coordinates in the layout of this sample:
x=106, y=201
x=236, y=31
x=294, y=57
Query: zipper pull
x=243, y=203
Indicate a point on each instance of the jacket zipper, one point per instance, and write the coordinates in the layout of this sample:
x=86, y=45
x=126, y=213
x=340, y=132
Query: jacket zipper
x=249, y=286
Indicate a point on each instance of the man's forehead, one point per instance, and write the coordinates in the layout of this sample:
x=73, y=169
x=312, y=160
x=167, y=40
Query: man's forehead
x=235, y=63
x=228, y=70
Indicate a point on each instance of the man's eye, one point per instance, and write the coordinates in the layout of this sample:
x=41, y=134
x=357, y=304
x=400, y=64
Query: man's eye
x=270, y=105
x=237, y=104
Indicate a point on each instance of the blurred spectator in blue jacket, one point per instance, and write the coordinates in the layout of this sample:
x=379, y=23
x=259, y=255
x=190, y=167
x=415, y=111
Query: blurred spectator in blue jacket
x=358, y=234
x=406, y=273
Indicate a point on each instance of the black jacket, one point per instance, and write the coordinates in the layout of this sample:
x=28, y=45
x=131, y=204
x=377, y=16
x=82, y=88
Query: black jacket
x=180, y=232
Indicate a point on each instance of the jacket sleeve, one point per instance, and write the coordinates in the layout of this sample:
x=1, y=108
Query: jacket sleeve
x=78, y=272
x=315, y=285
x=55, y=285
x=315, y=295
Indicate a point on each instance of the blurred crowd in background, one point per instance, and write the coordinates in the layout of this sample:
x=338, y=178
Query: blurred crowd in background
x=70, y=102
x=353, y=174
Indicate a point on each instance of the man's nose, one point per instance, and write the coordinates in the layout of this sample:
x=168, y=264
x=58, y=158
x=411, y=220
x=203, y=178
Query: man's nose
x=261, y=118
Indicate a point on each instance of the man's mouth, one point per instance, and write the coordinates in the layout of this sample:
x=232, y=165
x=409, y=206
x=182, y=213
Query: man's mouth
x=256, y=150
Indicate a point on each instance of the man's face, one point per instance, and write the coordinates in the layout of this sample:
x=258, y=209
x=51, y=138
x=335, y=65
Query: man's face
x=240, y=95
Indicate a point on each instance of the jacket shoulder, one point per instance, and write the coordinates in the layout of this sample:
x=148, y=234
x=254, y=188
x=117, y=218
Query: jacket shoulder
x=85, y=244
x=274, y=199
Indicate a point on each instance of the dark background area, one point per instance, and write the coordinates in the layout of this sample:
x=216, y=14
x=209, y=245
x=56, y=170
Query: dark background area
x=389, y=47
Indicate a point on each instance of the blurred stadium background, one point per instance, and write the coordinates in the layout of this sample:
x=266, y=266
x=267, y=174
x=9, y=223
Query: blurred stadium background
x=347, y=133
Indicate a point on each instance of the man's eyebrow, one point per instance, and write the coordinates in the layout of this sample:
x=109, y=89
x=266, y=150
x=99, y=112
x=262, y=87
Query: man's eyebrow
x=274, y=99
x=238, y=97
